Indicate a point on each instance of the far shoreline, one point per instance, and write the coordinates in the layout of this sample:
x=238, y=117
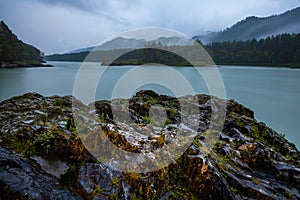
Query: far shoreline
x=23, y=65
x=287, y=66
x=260, y=66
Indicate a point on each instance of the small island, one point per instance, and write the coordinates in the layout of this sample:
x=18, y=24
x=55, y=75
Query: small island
x=15, y=53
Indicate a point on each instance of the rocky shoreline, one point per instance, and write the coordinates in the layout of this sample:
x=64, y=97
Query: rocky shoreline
x=39, y=135
x=23, y=65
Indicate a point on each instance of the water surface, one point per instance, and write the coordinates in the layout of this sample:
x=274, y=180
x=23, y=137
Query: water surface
x=272, y=93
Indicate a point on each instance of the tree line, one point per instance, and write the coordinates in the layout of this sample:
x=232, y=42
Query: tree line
x=280, y=50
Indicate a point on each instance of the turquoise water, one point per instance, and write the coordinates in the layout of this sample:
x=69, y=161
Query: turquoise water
x=272, y=93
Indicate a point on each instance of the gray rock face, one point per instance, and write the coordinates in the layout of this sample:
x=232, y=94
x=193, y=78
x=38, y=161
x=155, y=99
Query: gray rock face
x=22, y=179
x=109, y=182
x=247, y=161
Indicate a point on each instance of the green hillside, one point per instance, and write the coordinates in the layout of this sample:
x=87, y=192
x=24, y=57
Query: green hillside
x=14, y=51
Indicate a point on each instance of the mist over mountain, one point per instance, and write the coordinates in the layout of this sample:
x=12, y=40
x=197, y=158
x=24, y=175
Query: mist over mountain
x=247, y=29
x=132, y=43
x=255, y=27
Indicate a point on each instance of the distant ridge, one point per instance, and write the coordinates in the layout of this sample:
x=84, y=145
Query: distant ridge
x=132, y=43
x=247, y=29
x=255, y=27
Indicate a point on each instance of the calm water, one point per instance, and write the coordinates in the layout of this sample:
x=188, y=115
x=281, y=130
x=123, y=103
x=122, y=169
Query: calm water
x=273, y=93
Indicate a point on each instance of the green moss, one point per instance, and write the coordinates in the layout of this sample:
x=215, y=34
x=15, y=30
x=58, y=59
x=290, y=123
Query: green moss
x=239, y=122
x=171, y=112
x=136, y=197
x=146, y=119
x=116, y=181
x=58, y=102
x=222, y=165
x=25, y=146
x=233, y=189
x=45, y=140
x=97, y=190
x=167, y=122
x=43, y=118
x=140, y=99
x=55, y=112
x=182, y=193
x=264, y=133
x=196, y=141
x=32, y=145
x=103, y=117
x=255, y=181
x=132, y=176
x=177, y=176
x=254, y=129
x=289, y=194
x=151, y=101
x=114, y=197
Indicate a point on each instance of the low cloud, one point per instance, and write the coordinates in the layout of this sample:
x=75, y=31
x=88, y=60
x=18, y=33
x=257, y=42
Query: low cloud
x=57, y=26
x=87, y=5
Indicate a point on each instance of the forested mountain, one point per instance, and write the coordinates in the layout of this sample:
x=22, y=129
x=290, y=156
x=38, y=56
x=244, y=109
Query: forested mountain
x=14, y=51
x=255, y=27
x=280, y=50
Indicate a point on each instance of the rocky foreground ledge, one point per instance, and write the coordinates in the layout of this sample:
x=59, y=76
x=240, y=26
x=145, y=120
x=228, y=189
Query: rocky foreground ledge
x=42, y=156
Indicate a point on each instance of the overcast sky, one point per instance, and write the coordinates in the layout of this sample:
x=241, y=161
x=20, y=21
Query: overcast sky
x=57, y=26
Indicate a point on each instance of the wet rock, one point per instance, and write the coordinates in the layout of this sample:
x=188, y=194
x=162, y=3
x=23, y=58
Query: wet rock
x=225, y=151
x=226, y=138
x=288, y=172
x=21, y=179
x=238, y=136
x=244, y=160
x=100, y=182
